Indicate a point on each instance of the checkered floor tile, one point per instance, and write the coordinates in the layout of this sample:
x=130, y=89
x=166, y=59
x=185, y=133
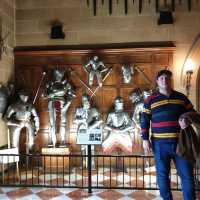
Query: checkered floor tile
x=11, y=193
x=78, y=178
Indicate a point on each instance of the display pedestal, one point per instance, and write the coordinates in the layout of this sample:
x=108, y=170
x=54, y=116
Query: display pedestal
x=56, y=159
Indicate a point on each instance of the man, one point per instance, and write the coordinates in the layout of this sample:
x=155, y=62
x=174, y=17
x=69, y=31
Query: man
x=163, y=109
x=21, y=115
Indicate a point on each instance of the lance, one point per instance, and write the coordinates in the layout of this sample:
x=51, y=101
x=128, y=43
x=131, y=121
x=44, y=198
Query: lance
x=143, y=75
x=39, y=86
x=102, y=82
x=82, y=82
x=136, y=124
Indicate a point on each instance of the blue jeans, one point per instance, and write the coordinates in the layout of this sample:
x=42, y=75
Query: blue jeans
x=165, y=151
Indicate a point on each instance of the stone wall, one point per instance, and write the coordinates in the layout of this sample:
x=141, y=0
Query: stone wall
x=33, y=19
x=7, y=31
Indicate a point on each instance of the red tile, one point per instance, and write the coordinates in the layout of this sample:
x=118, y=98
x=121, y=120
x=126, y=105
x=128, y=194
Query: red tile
x=18, y=193
x=31, y=181
x=110, y=194
x=48, y=194
x=78, y=194
x=57, y=182
x=136, y=183
x=113, y=174
x=111, y=183
x=142, y=195
x=177, y=195
x=81, y=183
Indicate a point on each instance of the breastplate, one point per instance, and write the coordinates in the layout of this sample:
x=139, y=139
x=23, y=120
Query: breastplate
x=56, y=87
x=118, y=119
x=23, y=112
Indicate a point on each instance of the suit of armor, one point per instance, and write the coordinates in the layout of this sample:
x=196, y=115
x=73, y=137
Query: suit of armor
x=119, y=125
x=5, y=92
x=20, y=115
x=127, y=73
x=95, y=68
x=86, y=119
x=137, y=97
x=59, y=94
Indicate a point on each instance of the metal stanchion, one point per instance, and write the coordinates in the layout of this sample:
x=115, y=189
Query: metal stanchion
x=89, y=169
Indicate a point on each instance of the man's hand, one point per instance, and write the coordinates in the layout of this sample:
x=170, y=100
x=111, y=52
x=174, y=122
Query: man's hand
x=146, y=146
x=184, y=123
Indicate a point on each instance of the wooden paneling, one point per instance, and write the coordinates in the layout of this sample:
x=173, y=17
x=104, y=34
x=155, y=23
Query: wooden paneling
x=31, y=62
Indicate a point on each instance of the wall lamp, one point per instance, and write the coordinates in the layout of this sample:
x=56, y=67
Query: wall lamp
x=189, y=67
x=57, y=30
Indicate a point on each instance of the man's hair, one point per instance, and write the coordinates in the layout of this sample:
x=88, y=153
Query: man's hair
x=164, y=71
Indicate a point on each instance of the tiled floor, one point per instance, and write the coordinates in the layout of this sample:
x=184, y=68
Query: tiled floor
x=12, y=193
x=78, y=177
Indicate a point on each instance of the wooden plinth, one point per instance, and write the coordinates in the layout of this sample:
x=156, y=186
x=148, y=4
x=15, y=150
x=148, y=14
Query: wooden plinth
x=55, y=159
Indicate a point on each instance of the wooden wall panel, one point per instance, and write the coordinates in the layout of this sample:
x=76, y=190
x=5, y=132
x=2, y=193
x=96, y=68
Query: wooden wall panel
x=30, y=63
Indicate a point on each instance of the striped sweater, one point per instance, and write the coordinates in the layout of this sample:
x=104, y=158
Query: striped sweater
x=161, y=113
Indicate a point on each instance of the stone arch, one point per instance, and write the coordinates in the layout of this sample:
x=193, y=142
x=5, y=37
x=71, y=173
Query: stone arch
x=193, y=53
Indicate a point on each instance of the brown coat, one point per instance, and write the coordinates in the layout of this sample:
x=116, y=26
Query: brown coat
x=189, y=138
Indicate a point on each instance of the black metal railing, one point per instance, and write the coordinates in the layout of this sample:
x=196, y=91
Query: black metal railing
x=83, y=171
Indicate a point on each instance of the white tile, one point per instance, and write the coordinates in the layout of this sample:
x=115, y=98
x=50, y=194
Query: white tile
x=73, y=177
x=154, y=192
x=8, y=189
x=125, y=192
x=27, y=176
x=103, y=170
x=148, y=179
x=97, y=191
x=61, y=197
x=126, y=198
x=175, y=179
x=30, y=197
x=150, y=169
x=158, y=198
x=123, y=178
x=66, y=190
x=4, y=197
x=93, y=198
x=100, y=178
x=48, y=177
x=37, y=189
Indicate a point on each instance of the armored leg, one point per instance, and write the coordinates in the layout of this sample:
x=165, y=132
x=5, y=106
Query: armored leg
x=63, y=120
x=99, y=78
x=91, y=78
x=30, y=136
x=63, y=127
x=52, y=119
x=15, y=133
